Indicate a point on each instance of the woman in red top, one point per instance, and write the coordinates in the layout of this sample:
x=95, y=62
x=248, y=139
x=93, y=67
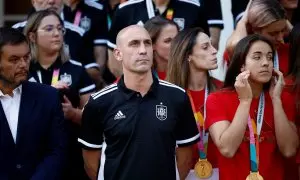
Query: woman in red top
x=162, y=31
x=191, y=57
x=293, y=82
x=252, y=98
x=267, y=18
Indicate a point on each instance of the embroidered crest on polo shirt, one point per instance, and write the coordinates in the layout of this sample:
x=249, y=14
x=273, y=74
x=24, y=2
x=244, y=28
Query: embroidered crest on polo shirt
x=85, y=23
x=161, y=112
x=119, y=115
x=66, y=78
x=180, y=22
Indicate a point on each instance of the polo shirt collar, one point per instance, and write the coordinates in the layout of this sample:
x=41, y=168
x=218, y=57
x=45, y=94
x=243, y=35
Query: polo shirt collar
x=170, y=5
x=56, y=65
x=130, y=93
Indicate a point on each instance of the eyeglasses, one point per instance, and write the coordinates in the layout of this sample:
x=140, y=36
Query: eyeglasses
x=50, y=29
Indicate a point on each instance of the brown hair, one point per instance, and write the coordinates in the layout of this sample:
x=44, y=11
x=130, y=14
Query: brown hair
x=154, y=27
x=178, y=66
x=239, y=57
x=156, y=24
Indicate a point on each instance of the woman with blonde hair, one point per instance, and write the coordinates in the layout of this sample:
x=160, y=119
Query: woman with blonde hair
x=191, y=57
x=51, y=65
x=267, y=18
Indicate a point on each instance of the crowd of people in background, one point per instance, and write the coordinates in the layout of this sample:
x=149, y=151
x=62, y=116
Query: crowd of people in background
x=122, y=90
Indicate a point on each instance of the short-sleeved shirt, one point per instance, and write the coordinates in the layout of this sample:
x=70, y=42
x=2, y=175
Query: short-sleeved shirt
x=79, y=83
x=186, y=13
x=213, y=11
x=237, y=8
x=91, y=17
x=222, y=106
x=70, y=72
x=198, y=100
x=138, y=135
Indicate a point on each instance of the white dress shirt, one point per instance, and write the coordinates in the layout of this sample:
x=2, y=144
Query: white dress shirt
x=11, y=107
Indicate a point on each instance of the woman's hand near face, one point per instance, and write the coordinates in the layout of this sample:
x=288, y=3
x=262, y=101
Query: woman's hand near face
x=243, y=87
x=277, y=85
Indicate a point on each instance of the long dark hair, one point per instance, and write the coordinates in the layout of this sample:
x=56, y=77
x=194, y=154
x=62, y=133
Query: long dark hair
x=178, y=66
x=239, y=57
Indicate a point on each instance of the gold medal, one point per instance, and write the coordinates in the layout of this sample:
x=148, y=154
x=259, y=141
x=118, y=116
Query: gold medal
x=203, y=168
x=254, y=176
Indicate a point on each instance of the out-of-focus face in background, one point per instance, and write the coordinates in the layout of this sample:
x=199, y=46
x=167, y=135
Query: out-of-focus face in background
x=56, y=5
x=289, y=4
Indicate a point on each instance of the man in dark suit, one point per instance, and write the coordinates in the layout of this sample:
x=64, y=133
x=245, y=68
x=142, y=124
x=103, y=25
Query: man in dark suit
x=32, y=138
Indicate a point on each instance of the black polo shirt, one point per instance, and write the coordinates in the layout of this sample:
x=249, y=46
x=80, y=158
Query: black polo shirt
x=93, y=19
x=186, y=13
x=237, y=8
x=213, y=11
x=138, y=135
x=70, y=72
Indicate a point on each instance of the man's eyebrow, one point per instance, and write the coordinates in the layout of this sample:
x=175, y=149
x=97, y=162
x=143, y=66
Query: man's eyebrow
x=133, y=41
x=257, y=52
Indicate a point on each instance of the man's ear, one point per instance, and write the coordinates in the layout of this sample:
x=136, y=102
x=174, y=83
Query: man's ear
x=32, y=37
x=118, y=55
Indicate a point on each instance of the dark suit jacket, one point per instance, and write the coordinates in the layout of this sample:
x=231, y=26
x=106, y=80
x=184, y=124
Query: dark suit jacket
x=39, y=151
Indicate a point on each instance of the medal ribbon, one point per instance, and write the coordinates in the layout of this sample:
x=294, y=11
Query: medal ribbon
x=254, y=142
x=276, y=61
x=77, y=18
x=54, y=76
x=200, y=123
x=170, y=13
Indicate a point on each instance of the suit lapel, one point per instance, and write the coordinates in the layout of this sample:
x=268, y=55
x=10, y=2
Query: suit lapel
x=25, y=113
